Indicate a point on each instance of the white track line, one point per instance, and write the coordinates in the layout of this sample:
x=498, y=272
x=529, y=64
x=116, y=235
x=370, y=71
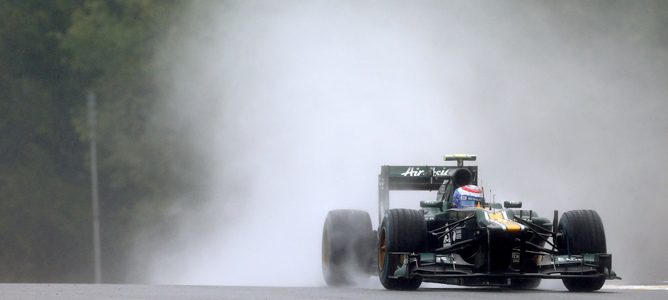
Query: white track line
x=637, y=287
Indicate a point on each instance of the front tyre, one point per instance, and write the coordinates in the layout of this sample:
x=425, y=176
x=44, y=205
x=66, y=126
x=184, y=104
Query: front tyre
x=402, y=230
x=582, y=232
x=348, y=245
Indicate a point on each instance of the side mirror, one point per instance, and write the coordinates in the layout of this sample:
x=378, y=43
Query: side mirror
x=512, y=204
x=435, y=204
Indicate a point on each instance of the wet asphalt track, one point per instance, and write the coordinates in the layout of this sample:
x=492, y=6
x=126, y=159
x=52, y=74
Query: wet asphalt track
x=167, y=292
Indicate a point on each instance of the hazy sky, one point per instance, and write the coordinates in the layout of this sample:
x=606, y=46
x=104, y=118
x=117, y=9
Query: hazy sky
x=296, y=104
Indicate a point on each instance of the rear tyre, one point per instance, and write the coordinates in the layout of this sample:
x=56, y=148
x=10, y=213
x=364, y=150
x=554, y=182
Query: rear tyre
x=402, y=230
x=524, y=283
x=529, y=264
x=348, y=244
x=582, y=232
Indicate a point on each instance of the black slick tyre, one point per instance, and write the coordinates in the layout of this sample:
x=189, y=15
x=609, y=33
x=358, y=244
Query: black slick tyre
x=402, y=230
x=582, y=232
x=530, y=264
x=524, y=283
x=348, y=244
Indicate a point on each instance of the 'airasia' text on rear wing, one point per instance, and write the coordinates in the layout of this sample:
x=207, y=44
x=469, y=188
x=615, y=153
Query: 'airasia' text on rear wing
x=419, y=178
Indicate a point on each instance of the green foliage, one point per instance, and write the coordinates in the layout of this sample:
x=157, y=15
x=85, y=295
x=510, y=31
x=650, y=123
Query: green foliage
x=52, y=53
x=42, y=177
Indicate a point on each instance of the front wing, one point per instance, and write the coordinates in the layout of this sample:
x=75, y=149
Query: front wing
x=452, y=269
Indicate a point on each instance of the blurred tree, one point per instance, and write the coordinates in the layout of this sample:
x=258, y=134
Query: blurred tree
x=42, y=175
x=51, y=54
x=113, y=44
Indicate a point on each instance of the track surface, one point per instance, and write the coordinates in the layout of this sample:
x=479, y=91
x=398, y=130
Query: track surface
x=150, y=292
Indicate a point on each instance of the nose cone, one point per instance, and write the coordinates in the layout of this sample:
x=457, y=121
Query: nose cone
x=501, y=221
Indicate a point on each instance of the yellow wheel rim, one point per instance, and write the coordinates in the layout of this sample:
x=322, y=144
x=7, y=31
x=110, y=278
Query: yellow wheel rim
x=325, y=250
x=382, y=250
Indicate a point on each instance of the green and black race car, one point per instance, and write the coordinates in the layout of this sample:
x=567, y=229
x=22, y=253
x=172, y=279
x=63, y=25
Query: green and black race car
x=482, y=245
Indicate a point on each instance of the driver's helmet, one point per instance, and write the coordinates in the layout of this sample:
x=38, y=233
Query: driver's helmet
x=468, y=196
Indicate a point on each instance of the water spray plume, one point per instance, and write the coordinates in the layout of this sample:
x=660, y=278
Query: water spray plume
x=296, y=105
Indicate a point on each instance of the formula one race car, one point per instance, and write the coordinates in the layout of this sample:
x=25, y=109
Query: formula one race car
x=475, y=244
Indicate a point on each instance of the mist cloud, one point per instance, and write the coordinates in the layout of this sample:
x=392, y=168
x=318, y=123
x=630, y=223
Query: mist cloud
x=295, y=105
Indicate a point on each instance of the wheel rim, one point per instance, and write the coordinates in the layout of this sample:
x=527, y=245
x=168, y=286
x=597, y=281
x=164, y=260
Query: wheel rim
x=325, y=251
x=382, y=250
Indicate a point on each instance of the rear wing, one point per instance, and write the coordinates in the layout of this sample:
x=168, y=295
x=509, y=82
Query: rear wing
x=416, y=178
